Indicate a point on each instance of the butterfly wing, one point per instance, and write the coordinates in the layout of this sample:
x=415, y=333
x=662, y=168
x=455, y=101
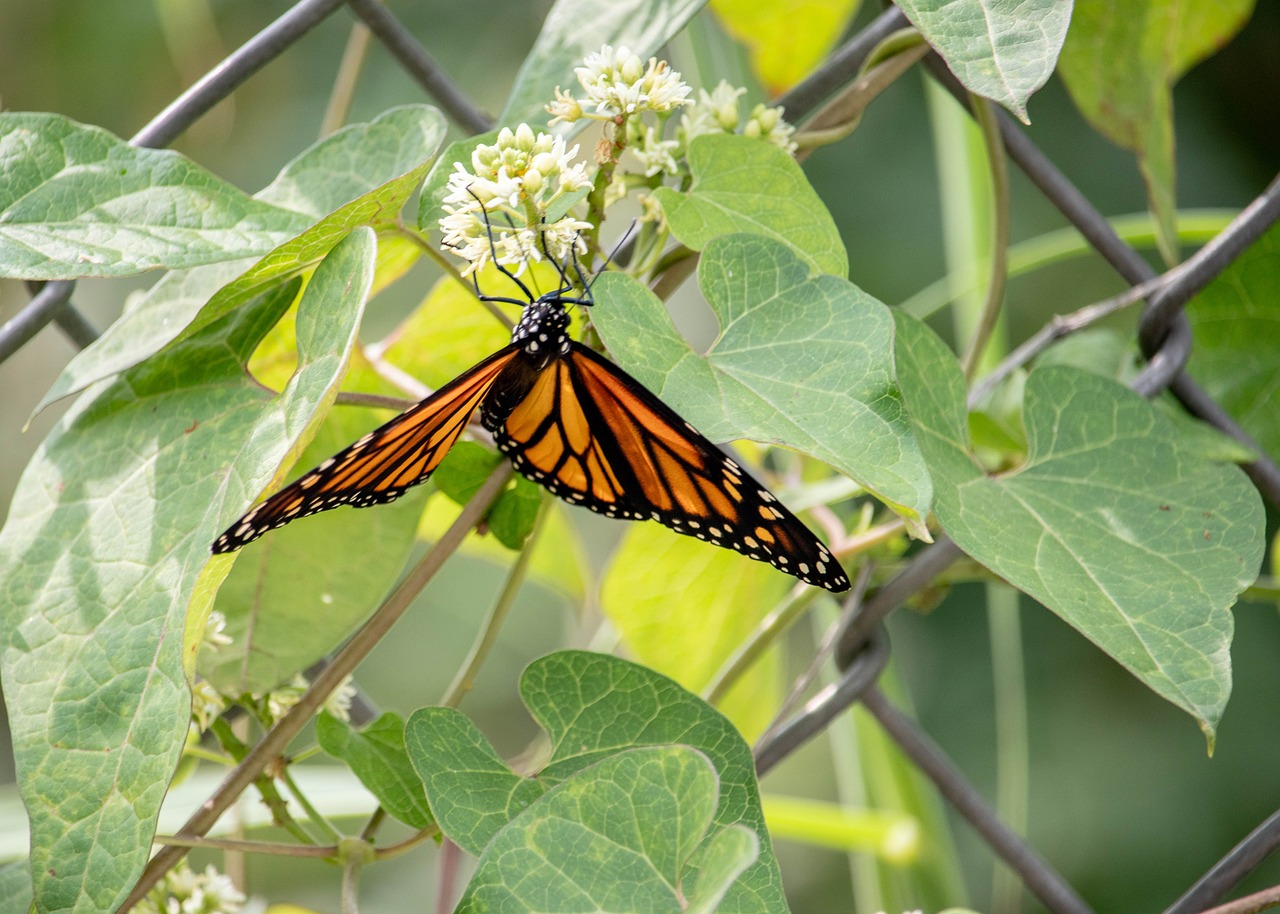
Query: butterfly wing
x=383, y=464
x=594, y=436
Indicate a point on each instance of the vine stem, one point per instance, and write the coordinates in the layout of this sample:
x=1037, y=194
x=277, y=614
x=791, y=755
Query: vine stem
x=241, y=846
x=985, y=116
x=766, y=634
x=344, y=84
x=278, y=737
x=488, y=636
x=1250, y=904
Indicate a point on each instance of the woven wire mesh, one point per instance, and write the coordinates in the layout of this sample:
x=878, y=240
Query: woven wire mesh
x=862, y=649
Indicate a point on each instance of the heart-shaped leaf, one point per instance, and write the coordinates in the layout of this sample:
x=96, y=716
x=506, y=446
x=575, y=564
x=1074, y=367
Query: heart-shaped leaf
x=1001, y=51
x=744, y=185
x=592, y=707
x=1130, y=536
x=377, y=756
x=622, y=835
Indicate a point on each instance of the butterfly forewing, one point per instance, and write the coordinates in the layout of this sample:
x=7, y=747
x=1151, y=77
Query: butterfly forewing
x=383, y=464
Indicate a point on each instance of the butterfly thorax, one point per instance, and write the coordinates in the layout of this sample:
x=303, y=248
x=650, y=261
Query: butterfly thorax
x=544, y=330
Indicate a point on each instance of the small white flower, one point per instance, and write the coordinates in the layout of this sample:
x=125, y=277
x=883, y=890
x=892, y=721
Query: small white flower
x=715, y=112
x=721, y=104
x=565, y=108
x=618, y=83
x=339, y=701
x=206, y=704
x=184, y=891
x=767, y=123
x=655, y=154
x=282, y=700
x=215, y=636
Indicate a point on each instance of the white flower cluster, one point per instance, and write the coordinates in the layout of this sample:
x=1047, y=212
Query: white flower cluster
x=620, y=84
x=501, y=203
x=184, y=891
x=717, y=112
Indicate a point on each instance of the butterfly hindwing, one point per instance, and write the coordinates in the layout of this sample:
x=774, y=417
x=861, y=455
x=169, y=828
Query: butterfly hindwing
x=382, y=465
x=594, y=436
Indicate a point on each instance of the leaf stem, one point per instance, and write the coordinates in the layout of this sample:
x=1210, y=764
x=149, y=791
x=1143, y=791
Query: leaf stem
x=241, y=846
x=488, y=635
x=765, y=635
x=344, y=84
x=408, y=844
x=320, y=822
x=985, y=116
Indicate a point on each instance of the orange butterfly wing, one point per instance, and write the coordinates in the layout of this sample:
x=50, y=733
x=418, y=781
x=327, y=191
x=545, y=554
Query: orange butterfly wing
x=594, y=436
x=383, y=464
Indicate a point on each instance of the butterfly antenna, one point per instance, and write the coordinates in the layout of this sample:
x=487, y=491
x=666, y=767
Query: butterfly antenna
x=493, y=252
x=622, y=242
x=577, y=267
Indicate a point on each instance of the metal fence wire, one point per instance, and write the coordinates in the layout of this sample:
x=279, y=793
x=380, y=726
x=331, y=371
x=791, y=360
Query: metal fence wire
x=862, y=648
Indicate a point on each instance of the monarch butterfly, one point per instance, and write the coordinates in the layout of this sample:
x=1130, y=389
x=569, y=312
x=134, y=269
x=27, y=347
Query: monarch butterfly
x=576, y=424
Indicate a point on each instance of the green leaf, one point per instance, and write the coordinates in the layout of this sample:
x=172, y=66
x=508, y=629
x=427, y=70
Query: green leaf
x=462, y=472
x=575, y=28
x=592, y=706
x=471, y=791
x=802, y=361
x=1120, y=64
x=358, y=159
x=744, y=185
x=999, y=50
x=76, y=201
x=106, y=545
x=688, y=620
x=1112, y=522
x=377, y=756
x=357, y=173
x=512, y=516
x=724, y=857
x=1235, y=321
x=619, y=836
